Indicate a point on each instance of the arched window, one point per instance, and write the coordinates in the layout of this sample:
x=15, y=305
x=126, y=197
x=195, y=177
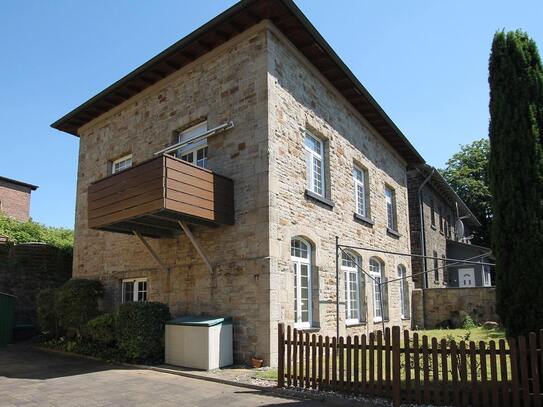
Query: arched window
x=404, y=292
x=350, y=263
x=380, y=290
x=300, y=252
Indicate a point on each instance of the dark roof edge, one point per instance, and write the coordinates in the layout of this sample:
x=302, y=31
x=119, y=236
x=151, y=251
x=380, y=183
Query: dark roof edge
x=21, y=183
x=174, y=47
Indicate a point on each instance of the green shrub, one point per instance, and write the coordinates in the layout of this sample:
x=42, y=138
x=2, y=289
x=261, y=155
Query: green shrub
x=468, y=323
x=103, y=329
x=48, y=318
x=141, y=331
x=77, y=302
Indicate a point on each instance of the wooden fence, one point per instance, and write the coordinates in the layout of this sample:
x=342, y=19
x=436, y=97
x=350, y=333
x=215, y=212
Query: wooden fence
x=409, y=368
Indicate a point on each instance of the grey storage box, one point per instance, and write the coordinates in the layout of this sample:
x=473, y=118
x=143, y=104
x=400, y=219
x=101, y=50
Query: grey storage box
x=199, y=342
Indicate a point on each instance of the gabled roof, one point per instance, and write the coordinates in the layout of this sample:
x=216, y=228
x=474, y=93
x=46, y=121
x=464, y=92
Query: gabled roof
x=20, y=183
x=445, y=190
x=289, y=19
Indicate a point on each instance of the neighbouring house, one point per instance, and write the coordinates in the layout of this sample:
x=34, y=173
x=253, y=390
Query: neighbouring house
x=15, y=198
x=441, y=229
x=215, y=177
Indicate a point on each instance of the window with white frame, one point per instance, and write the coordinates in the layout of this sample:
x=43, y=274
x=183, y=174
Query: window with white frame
x=300, y=251
x=404, y=291
x=487, y=281
x=194, y=152
x=360, y=177
x=134, y=290
x=390, y=197
x=121, y=163
x=376, y=271
x=349, y=266
x=314, y=156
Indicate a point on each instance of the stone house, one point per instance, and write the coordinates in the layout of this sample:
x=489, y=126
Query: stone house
x=15, y=198
x=441, y=228
x=216, y=176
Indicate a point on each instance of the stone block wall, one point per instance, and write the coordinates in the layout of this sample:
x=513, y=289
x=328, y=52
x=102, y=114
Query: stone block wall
x=448, y=306
x=15, y=200
x=25, y=269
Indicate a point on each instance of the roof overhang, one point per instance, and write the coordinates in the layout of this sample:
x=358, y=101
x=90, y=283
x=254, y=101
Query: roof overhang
x=289, y=19
x=20, y=183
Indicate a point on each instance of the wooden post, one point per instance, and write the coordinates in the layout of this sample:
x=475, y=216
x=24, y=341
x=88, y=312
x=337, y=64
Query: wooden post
x=503, y=373
x=514, y=371
x=535, y=368
x=396, y=373
x=289, y=356
x=493, y=374
x=281, y=356
x=406, y=345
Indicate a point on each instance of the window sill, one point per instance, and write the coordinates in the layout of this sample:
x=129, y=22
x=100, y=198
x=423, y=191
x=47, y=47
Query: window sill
x=320, y=199
x=364, y=220
x=393, y=233
x=355, y=324
x=308, y=330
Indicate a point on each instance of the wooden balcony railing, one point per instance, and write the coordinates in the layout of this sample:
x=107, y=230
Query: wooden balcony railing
x=152, y=197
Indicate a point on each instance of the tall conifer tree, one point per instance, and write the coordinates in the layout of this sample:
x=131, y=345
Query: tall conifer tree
x=516, y=179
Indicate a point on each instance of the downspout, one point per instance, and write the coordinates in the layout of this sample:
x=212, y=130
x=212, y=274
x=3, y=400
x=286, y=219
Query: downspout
x=422, y=232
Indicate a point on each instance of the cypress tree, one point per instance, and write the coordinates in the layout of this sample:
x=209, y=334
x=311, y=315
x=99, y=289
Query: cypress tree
x=516, y=179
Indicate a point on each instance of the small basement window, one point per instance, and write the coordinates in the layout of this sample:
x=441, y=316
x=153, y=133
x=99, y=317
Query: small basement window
x=121, y=164
x=134, y=290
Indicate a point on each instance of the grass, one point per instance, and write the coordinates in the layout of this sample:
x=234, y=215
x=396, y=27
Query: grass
x=475, y=334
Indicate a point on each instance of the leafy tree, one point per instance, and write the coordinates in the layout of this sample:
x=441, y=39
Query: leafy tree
x=467, y=173
x=516, y=179
x=30, y=231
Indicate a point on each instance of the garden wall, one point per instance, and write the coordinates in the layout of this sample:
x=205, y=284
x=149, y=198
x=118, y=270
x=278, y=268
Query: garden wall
x=448, y=306
x=25, y=269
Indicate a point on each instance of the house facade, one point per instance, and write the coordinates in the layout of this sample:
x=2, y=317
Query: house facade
x=15, y=198
x=216, y=177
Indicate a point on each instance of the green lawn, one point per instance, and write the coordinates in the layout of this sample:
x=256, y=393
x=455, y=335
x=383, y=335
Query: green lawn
x=475, y=334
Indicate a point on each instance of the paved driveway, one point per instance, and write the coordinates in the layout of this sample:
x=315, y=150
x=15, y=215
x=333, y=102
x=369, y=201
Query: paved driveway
x=32, y=377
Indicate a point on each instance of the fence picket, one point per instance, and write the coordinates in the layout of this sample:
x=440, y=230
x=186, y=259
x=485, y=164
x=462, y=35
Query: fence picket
x=525, y=383
x=464, y=391
x=387, y=350
x=535, y=368
x=301, y=359
x=294, y=358
x=371, y=381
x=493, y=373
x=334, y=362
x=435, y=373
x=380, y=363
x=320, y=363
x=313, y=361
x=307, y=353
x=484, y=374
x=514, y=372
x=473, y=374
x=326, y=361
x=363, y=355
x=341, y=363
x=396, y=373
x=356, y=364
x=444, y=372
x=289, y=356
x=407, y=361
x=454, y=373
x=416, y=363
x=348, y=378
x=281, y=355
x=426, y=368
x=504, y=380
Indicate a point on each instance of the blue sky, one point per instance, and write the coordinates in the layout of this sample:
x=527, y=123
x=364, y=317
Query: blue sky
x=425, y=62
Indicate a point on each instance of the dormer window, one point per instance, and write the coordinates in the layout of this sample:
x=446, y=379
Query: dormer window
x=195, y=151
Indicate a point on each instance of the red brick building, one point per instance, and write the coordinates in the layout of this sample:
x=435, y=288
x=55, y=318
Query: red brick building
x=15, y=198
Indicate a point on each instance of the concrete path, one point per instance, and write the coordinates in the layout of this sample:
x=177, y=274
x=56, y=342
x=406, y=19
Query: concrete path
x=33, y=377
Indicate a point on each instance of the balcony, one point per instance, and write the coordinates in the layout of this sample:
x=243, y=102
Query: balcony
x=151, y=198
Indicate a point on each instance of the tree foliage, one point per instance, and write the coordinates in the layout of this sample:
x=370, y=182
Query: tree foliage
x=467, y=173
x=30, y=231
x=516, y=175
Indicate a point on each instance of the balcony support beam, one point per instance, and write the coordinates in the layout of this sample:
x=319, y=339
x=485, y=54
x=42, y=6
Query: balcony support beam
x=151, y=251
x=196, y=245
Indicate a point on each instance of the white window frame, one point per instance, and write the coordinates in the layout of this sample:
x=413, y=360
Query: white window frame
x=116, y=166
x=298, y=262
x=315, y=160
x=135, y=289
x=487, y=279
x=348, y=272
x=360, y=177
x=466, y=271
x=392, y=217
x=404, y=289
x=376, y=271
x=193, y=148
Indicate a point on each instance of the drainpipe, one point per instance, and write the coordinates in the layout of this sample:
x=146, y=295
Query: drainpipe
x=422, y=233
